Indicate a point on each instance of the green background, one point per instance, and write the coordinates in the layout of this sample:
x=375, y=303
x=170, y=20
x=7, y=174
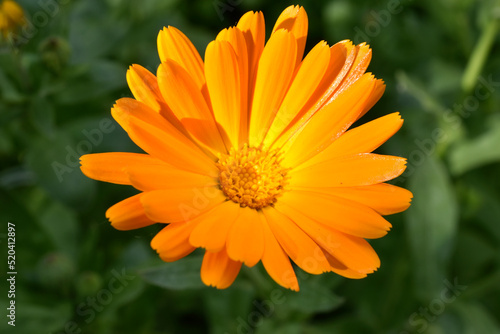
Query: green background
x=440, y=268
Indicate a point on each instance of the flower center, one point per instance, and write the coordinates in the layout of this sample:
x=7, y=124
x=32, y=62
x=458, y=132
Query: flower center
x=252, y=177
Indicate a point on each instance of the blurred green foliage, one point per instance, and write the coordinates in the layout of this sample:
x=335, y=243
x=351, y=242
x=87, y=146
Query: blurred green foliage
x=440, y=263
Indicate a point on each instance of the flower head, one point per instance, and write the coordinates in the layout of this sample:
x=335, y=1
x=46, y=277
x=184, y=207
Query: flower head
x=11, y=17
x=249, y=154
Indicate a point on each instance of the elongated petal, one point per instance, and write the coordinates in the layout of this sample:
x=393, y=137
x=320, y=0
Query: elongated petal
x=173, y=44
x=363, y=139
x=276, y=262
x=188, y=104
x=309, y=75
x=329, y=123
x=344, y=215
x=211, y=232
x=111, y=167
x=275, y=72
x=219, y=270
x=340, y=269
x=376, y=94
x=253, y=28
x=144, y=86
x=159, y=138
x=342, y=56
x=296, y=243
x=154, y=177
x=384, y=198
x=171, y=243
x=236, y=38
x=128, y=214
x=294, y=19
x=358, y=68
x=179, y=205
x=223, y=82
x=354, y=252
x=245, y=241
x=354, y=170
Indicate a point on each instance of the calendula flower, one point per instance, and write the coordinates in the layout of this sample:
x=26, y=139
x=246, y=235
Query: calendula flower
x=11, y=17
x=249, y=156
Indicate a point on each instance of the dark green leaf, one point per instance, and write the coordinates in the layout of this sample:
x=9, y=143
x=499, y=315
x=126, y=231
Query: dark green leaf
x=477, y=152
x=179, y=275
x=234, y=308
x=431, y=226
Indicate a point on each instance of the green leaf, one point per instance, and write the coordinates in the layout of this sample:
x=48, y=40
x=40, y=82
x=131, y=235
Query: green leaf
x=42, y=115
x=179, y=275
x=476, y=319
x=314, y=296
x=476, y=153
x=8, y=91
x=32, y=318
x=55, y=163
x=431, y=226
x=61, y=226
x=234, y=308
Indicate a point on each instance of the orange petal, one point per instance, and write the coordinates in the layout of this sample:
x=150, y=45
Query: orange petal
x=219, y=270
x=155, y=177
x=179, y=205
x=298, y=245
x=376, y=94
x=187, y=103
x=342, y=56
x=358, y=68
x=245, y=241
x=309, y=75
x=253, y=27
x=363, y=139
x=342, y=270
x=223, y=82
x=347, y=171
x=274, y=74
x=236, y=38
x=128, y=214
x=211, y=232
x=329, y=122
x=294, y=19
x=353, y=252
x=339, y=213
x=159, y=138
x=384, y=198
x=110, y=167
x=276, y=261
x=173, y=44
x=171, y=243
x=144, y=86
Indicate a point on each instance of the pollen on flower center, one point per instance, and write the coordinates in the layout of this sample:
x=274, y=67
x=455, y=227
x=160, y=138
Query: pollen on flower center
x=252, y=177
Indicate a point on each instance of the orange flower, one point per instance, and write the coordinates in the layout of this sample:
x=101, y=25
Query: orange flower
x=11, y=17
x=249, y=156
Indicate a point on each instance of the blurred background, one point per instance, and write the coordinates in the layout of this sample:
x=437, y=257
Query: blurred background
x=59, y=77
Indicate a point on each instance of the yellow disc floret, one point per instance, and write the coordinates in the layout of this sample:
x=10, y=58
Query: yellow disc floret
x=252, y=177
